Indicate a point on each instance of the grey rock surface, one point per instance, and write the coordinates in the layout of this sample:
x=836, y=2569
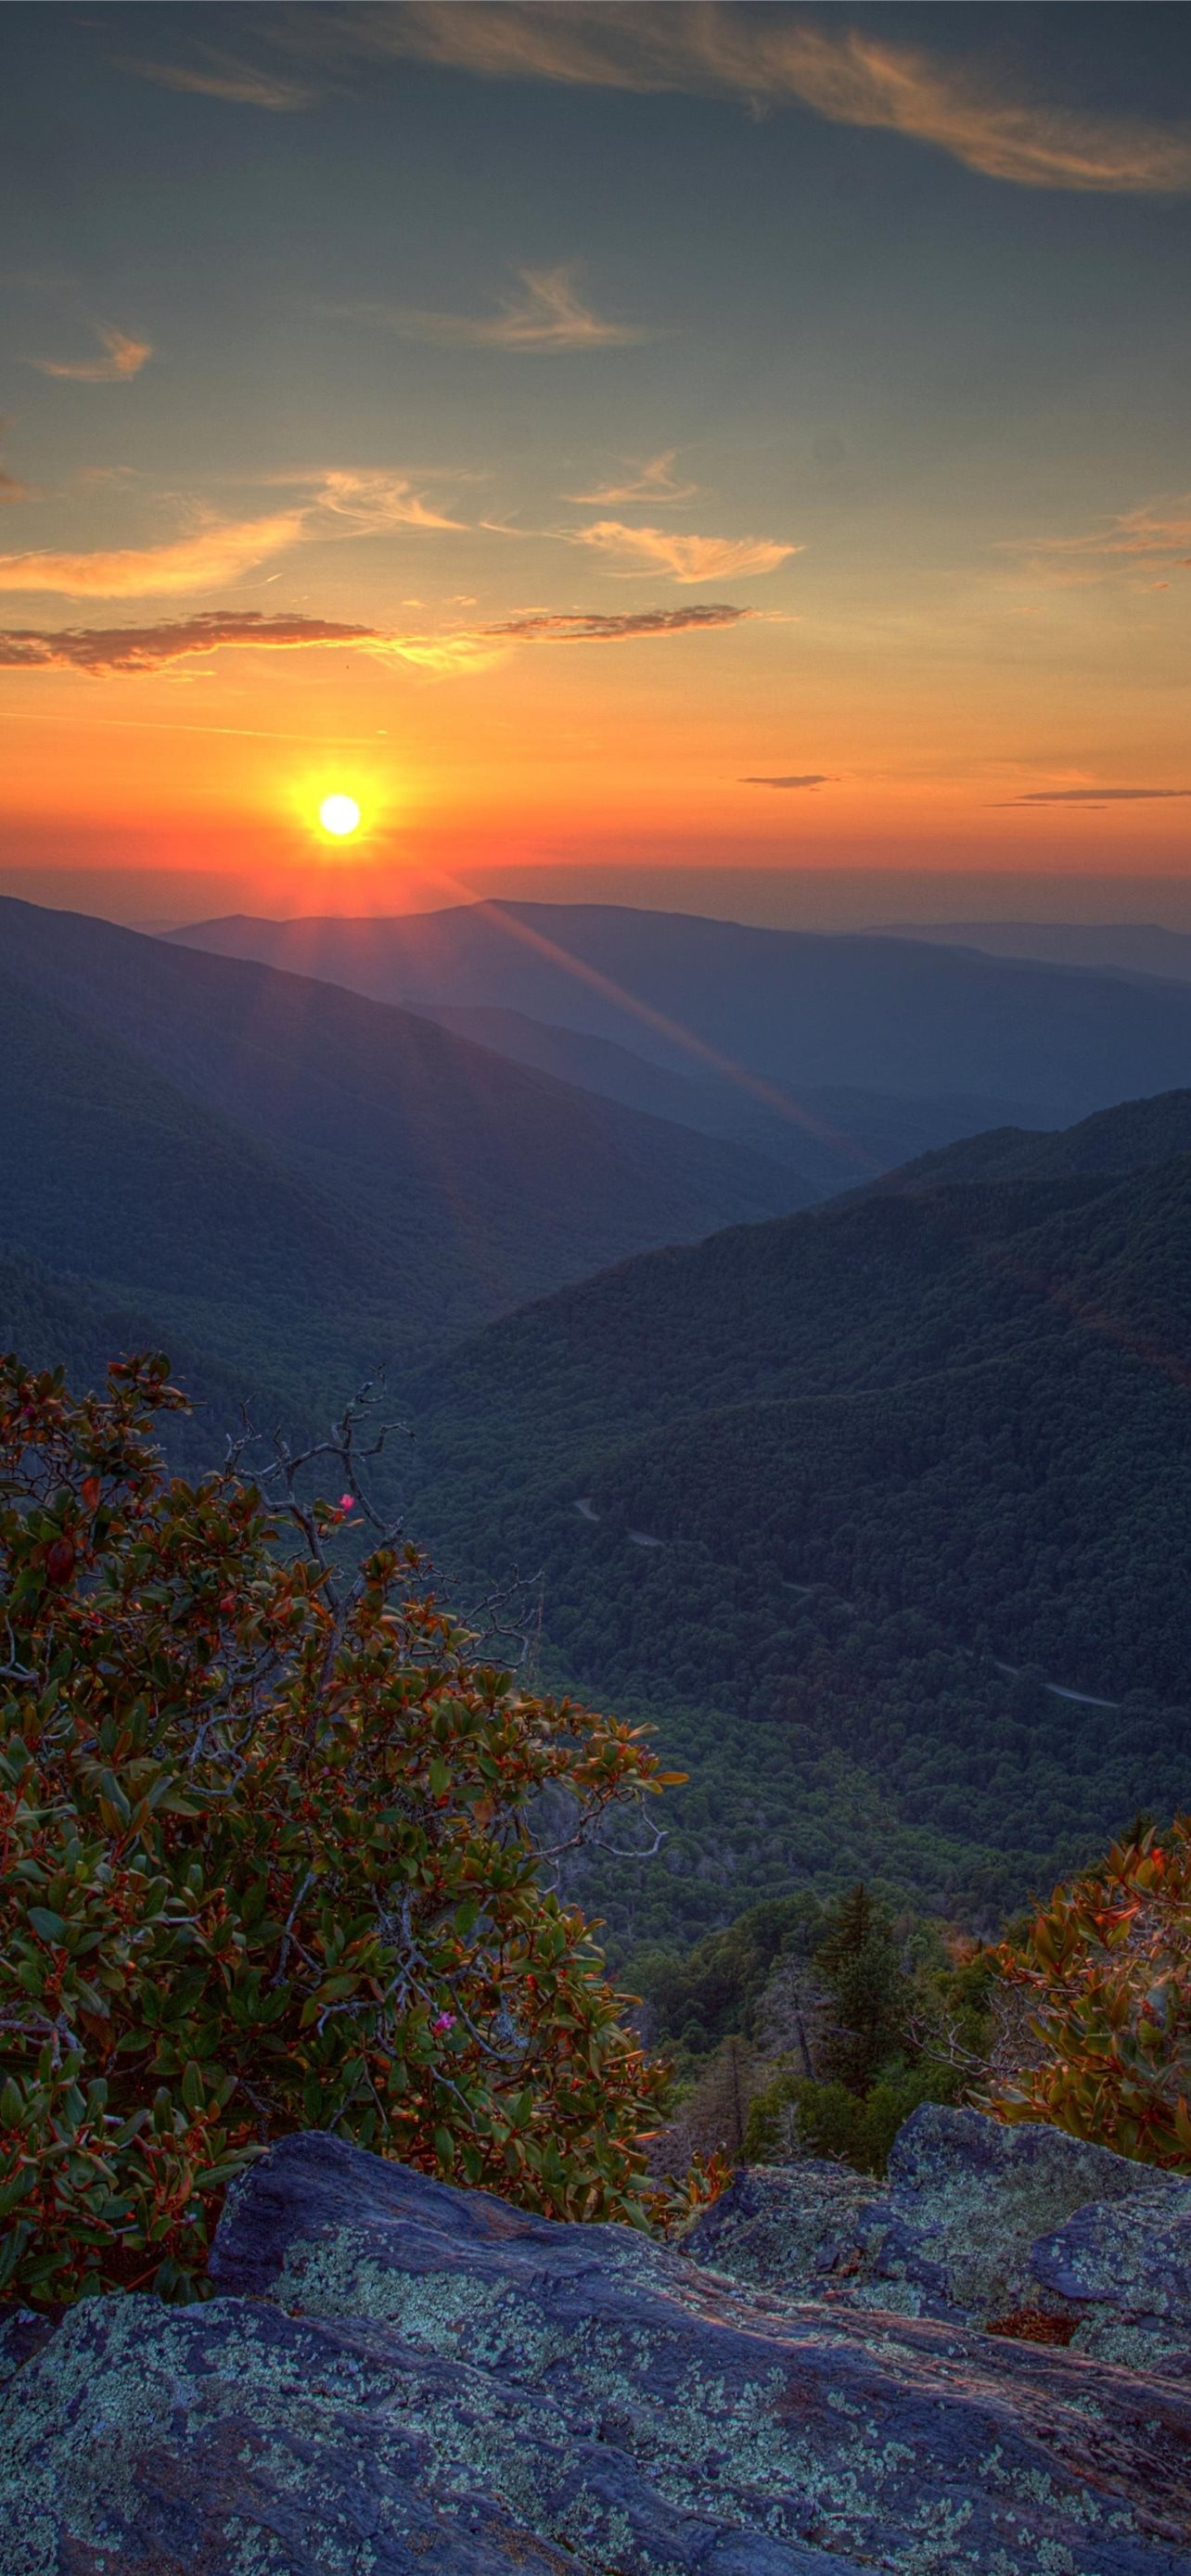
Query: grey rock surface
x=398, y=2377
x=976, y=2223
x=1124, y=2269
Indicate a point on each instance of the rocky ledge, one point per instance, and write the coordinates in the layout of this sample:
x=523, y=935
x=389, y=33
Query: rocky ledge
x=983, y=2365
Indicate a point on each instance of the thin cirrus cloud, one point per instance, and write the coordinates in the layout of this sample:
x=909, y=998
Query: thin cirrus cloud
x=105, y=650
x=654, y=482
x=222, y=76
x=372, y=501
x=547, y=318
x=199, y=562
x=343, y=503
x=810, y=778
x=1155, y=528
x=123, y=359
x=637, y=552
x=772, y=58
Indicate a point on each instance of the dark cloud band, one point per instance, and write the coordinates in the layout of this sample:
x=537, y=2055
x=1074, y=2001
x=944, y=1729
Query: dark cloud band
x=1098, y=795
x=811, y=778
x=106, y=649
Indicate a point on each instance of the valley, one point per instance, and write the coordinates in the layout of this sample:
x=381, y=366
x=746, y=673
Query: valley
x=877, y=1507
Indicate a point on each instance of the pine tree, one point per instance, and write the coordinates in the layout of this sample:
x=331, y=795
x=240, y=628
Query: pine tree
x=858, y=1963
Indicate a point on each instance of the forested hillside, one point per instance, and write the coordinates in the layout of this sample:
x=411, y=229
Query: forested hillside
x=857, y=1503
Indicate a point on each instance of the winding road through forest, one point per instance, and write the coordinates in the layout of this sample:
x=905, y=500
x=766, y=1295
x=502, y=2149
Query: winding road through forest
x=1058, y=1690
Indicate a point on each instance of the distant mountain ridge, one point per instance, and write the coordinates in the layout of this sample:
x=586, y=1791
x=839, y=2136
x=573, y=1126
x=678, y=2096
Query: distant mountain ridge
x=830, y=1135
x=797, y=1010
x=1116, y=947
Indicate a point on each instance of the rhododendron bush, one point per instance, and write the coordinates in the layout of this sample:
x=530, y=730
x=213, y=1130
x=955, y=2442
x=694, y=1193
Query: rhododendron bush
x=268, y=1862
x=1104, y=1981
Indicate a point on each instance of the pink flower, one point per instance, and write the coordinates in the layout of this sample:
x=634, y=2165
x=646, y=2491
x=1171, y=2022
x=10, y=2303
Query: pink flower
x=443, y=2021
x=346, y=1501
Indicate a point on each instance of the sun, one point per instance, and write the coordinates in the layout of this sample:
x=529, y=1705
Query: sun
x=340, y=815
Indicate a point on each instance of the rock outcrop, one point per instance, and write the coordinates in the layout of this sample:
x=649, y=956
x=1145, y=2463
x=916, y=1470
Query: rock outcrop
x=1013, y=2229
x=831, y=2377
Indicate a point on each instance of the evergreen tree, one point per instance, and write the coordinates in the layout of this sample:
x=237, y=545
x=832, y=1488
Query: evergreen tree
x=859, y=1965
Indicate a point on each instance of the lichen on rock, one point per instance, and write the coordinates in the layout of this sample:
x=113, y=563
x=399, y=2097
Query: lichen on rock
x=395, y=2375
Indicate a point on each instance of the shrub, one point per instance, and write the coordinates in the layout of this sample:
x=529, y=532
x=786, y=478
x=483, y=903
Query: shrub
x=1104, y=1975
x=797, y=2116
x=268, y=1861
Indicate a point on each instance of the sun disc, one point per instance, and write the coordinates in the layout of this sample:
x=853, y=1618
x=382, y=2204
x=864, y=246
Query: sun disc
x=340, y=815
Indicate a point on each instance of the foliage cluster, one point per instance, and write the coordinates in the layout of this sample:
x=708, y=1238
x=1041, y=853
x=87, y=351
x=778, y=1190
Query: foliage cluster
x=269, y=1859
x=1104, y=1976
x=822, y=2027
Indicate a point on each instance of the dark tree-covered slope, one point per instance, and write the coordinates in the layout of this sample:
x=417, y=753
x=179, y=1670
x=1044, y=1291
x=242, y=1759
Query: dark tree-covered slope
x=1130, y=1137
x=884, y=1512
x=65, y=1323
x=114, y=1175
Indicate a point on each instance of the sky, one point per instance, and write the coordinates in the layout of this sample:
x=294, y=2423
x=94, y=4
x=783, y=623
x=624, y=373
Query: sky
x=617, y=447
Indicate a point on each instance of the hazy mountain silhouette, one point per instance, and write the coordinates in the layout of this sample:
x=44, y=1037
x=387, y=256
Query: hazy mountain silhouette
x=279, y=1169
x=1120, y=947
x=830, y=1133
x=888, y=1015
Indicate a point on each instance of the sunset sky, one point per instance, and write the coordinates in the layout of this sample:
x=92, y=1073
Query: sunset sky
x=598, y=435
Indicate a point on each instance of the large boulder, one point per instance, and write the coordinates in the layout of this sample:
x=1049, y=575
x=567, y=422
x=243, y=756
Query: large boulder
x=395, y=2376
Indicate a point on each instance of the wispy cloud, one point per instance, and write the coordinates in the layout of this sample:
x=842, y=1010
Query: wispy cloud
x=769, y=58
x=653, y=482
x=686, y=559
x=812, y=778
x=216, y=75
x=548, y=317
x=198, y=562
x=341, y=503
x=1156, y=528
x=124, y=359
x=106, y=650
x=373, y=501
x=1097, y=795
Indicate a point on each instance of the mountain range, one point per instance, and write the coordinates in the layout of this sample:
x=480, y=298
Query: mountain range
x=295, y=1182
x=877, y=1503
x=774, y=1015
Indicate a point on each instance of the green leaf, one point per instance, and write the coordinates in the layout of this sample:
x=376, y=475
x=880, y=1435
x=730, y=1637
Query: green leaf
x=194, y=2091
